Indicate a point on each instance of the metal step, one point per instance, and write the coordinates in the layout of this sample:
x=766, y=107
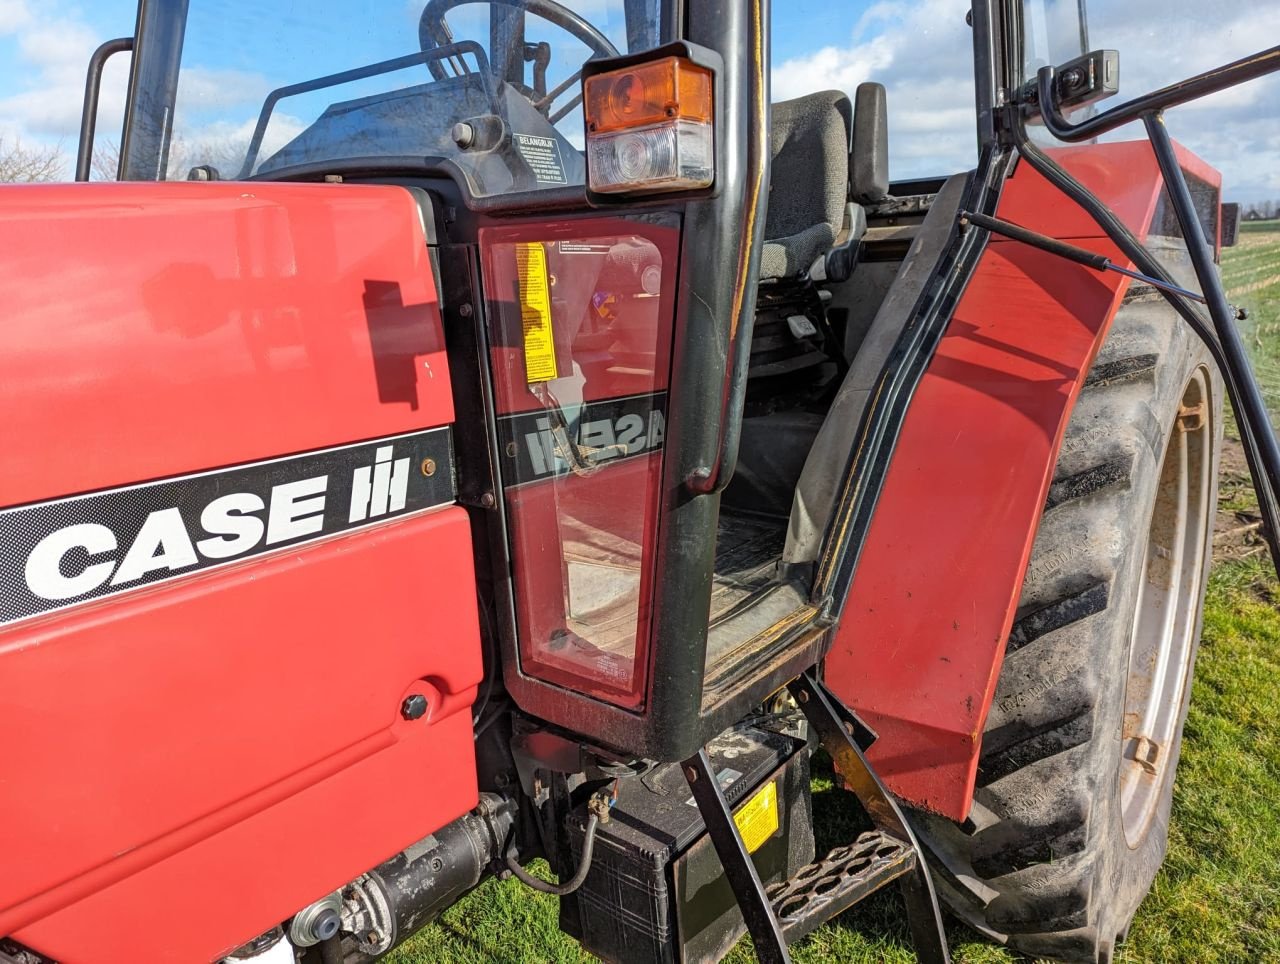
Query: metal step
x=830, y=886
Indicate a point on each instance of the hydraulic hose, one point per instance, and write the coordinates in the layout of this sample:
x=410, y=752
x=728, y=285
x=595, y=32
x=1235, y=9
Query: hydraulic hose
x=574, y=882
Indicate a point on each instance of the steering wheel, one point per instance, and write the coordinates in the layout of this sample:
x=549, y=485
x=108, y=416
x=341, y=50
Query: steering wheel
x=434, y=32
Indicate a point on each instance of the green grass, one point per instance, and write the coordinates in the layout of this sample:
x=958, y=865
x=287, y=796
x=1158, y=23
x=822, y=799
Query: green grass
x=1217, y=898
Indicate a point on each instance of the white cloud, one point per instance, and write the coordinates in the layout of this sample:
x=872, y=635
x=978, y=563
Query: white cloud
x=13, y=14
x=52, y=56
x=920, y=50
x=921, y=53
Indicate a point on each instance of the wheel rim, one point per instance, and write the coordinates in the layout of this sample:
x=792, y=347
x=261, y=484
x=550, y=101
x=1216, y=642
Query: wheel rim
x=1168, y=607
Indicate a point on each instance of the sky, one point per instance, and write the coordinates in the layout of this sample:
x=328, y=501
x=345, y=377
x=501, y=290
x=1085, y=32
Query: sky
x=238, y=50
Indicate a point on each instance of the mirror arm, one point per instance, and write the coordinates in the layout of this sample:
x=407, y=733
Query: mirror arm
x=1210, y=82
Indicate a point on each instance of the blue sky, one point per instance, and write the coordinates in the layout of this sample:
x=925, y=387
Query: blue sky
x=918, y=49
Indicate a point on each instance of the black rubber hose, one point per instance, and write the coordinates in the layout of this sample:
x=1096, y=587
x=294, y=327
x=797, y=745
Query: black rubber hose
x=574, y=882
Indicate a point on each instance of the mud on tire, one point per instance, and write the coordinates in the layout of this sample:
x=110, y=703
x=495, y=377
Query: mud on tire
x=1044, y=861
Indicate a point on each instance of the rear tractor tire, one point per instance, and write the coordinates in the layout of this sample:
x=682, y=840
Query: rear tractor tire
x=1075, y=778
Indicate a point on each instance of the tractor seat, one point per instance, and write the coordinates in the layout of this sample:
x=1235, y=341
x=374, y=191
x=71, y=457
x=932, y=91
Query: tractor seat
x=809, y=182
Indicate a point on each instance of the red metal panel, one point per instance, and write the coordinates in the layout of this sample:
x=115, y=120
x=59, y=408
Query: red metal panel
x=150, y=330
x=202, y=760
x=919, y=648
x=189, y=764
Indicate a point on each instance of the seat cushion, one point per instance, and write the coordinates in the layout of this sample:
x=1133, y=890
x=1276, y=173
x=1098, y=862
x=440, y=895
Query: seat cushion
x=808, y=182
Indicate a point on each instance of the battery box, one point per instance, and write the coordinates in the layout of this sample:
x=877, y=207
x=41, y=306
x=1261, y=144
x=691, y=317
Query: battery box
x=656, y=891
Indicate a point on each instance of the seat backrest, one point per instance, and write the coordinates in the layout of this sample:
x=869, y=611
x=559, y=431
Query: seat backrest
x=810, y=139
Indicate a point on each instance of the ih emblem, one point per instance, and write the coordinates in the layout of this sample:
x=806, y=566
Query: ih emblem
x=380, y=488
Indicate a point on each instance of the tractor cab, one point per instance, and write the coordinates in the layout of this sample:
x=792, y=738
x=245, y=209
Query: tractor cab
x=484, y=430
x=577, y=153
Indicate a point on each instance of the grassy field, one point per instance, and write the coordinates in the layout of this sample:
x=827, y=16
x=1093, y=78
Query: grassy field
x=1217, y=899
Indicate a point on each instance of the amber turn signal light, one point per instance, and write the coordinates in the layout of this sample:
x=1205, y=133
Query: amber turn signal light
x=650, y=127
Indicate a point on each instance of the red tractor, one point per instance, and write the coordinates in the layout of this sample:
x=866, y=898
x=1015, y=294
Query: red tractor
x=484, y=456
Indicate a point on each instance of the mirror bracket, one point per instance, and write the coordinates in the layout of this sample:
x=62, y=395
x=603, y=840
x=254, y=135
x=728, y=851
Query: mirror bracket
x=1085, y=80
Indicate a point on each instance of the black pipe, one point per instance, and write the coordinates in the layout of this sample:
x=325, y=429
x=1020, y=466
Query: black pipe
x=89, y=114
x=713, y=478
x=1250, y=404
x=153, y=90
x=1210, y=82
x=1090, y=259
x=1133, y=249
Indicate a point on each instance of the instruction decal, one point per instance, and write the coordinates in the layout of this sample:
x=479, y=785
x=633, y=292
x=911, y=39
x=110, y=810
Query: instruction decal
x=535, y=313
x=542, y=154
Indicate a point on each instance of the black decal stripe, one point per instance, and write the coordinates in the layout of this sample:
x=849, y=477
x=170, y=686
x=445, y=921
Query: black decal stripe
x=418, y=470
x=606, y=431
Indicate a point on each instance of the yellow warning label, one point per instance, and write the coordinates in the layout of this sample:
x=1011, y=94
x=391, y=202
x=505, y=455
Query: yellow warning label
x=535, y=313
x=757, y=821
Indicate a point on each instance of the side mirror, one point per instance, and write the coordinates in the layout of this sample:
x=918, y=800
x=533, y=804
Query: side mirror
x=1230, y=221
x=1085, y=80
x=869, y=161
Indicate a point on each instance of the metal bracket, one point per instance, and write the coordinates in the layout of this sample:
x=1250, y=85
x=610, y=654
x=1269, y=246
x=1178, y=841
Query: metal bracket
x=839, y=735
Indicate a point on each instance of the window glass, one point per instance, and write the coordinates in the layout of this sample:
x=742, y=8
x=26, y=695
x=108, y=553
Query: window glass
x=393, y=80
x=921, y=52
x=580, y=323
x=1162, y=42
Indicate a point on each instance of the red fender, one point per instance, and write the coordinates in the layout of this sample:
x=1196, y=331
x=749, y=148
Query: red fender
x=919, y=648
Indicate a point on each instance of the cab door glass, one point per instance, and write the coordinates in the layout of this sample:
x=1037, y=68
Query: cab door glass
x=580, y=326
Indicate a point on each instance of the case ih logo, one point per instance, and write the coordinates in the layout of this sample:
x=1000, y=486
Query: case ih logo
x=60, y=553
x=600, y=432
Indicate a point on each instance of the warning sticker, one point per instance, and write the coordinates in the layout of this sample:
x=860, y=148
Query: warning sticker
x=542, y=154
x=535, y=313
x=584, y=247
x=757, y=821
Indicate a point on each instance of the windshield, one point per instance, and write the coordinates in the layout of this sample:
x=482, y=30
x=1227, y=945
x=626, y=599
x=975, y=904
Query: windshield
x=491, y=88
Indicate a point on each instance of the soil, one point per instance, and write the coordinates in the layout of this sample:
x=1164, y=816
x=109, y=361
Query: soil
x=1237, y=528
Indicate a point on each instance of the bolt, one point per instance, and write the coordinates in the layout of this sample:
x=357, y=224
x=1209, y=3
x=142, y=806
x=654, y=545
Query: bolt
x=463, y=134
x=333, y=179
x=848, y=728
x=488, y=501
x=414, y=707
x=691, y=774
x=428, y=467
x=512, y=450
x=464, y=310
x=804, y=696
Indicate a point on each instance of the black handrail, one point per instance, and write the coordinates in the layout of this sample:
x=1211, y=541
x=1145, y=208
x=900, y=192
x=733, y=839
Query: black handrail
x=1210, y=82
x=1262, y=452
x=459, y=49
x=707, y=479
x=89, y=114
x=1248, y=399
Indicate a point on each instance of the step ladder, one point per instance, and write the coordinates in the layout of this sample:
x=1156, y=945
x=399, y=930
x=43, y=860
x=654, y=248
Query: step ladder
x=790, y=909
